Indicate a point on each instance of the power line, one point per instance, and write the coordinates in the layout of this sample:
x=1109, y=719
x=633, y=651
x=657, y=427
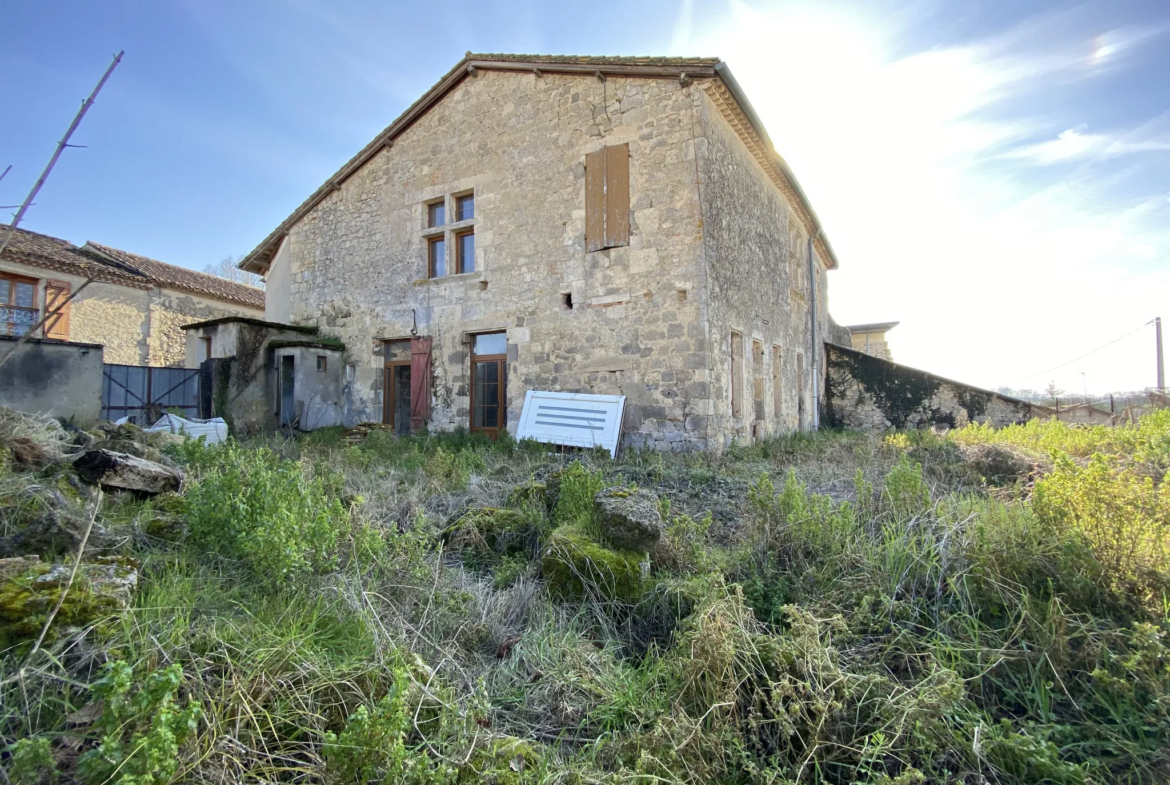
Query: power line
x=1086, y=354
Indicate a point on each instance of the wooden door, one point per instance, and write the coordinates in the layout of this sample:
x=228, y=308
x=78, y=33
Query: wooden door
x=489, y=356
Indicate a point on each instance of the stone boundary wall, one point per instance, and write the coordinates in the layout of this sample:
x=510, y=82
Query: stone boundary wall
x=868, y=393
x=55, y=378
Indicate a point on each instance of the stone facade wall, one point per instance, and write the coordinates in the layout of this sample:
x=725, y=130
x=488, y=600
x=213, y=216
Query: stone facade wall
x=136, y=326
x=869, y=393
x=358, y=269
x=170, y=311
x=872, y=343
x=754, y=290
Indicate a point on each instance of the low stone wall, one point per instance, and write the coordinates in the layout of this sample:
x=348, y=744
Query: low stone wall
x=869, y=393
x=56, y=378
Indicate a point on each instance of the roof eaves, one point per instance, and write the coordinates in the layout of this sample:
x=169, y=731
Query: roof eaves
x=728, y=79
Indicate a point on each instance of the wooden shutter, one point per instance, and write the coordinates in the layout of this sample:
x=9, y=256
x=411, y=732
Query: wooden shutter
x=420, y=383
x=617, y=195
x=607, y=198
x=56, y=293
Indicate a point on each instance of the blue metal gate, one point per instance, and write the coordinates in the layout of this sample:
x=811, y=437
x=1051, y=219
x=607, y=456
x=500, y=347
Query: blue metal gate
x=144, y=394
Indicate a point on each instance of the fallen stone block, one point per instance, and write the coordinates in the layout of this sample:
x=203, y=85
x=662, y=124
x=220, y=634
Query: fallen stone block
x=30, y=589
x=575, y=567
x=127, y=472
x=627, y=519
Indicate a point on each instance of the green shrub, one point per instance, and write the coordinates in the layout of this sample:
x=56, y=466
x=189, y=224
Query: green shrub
x=904, y=491
x=31, y=762
x=376, y=744
x=578, y=487
x=142, y=726
x=273, y=514
x=1124, y=517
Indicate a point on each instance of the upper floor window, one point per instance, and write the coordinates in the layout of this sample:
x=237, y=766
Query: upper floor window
x=465, y=207
x=436, y=214
x=450, y=246
x=607, y=197
x=18, y=304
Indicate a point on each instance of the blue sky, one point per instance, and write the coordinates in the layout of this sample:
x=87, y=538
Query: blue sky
x=995, y=175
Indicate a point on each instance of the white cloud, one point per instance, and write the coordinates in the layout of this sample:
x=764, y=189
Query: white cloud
x=926, y=190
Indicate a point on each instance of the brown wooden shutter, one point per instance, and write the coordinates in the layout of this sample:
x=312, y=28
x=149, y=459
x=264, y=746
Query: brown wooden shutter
x=617, y=195
x=420, y=383
x=57, y=292
x=595, y=201
x=607, y=198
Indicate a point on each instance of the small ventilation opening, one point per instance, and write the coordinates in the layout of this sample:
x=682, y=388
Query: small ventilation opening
x=567, y=298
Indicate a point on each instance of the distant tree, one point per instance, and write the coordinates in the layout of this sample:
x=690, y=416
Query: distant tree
x=226, y=268
x=1052, y=394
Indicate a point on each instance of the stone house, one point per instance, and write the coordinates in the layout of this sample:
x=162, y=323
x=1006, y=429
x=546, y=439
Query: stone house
x=135, y=307
x=611, y=225
x=871, y=338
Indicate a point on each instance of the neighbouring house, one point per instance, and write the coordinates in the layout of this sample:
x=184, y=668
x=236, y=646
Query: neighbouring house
x=871, y=338
x=613, y=225
x=135, y=307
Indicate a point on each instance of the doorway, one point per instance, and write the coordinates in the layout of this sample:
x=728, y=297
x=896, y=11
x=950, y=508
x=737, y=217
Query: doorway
x=489, y=356
x=396, y=386
x=287, y=396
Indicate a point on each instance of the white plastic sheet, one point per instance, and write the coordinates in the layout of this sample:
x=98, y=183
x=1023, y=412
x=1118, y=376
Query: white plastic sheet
x=215, y=430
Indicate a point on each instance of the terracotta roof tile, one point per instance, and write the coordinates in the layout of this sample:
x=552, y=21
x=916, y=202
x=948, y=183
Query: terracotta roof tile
x=122, y=267
x=175, y=277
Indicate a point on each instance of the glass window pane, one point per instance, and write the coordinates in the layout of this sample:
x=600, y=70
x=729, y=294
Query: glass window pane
x=466, y=252
x=465, y=208
x=438, y=258
x=436, y=214
x=491, y=417
x=491, y=343
x=5, y=286
x=397, y=351
x=25, y=294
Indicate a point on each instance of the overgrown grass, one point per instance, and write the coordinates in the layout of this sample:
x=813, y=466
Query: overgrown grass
x=837, y=608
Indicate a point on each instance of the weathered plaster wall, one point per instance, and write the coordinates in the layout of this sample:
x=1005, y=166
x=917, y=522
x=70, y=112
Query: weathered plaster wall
x=749, y=230
x=358, y=269
x=317, y=394
x=869, y=393
x=170, y=310
x=53, y=378
x=277, y=283
x=872, y=343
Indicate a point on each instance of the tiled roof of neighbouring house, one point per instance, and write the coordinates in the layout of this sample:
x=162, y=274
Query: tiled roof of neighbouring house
x=113, y=265
x=175, y=277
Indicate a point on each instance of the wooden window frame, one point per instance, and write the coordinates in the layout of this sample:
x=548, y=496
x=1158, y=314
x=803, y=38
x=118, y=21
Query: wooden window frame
x=501, y=361
x=322, y=363
x=463, y=265
x=758, y=380
x=11, y=280
x=431, y=243
x=430, y=206
x=457, y=200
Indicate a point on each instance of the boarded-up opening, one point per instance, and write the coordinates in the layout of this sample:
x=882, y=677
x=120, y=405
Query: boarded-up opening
x=777, y=396
x=736, y=375
x=607, y=198
x=758, y=379
x=56, y=294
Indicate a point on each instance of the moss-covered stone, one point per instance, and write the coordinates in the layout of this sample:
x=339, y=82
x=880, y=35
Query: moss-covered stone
x=532, y=494
x=500, y=761
x=486, y=535
x=30, y=588
x=576, y=567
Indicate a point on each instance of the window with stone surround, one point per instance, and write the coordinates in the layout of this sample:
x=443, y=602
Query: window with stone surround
x=450, y=245
x=777, y=398
x=607, y=197
x=736, y=374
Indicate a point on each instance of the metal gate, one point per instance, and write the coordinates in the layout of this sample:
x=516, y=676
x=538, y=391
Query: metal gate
x=144, y=394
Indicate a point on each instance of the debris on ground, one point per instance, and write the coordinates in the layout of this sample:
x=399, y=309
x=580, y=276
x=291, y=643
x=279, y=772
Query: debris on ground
x=127, y=472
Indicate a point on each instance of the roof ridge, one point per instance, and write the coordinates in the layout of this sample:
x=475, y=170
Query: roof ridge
x=181, y=268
